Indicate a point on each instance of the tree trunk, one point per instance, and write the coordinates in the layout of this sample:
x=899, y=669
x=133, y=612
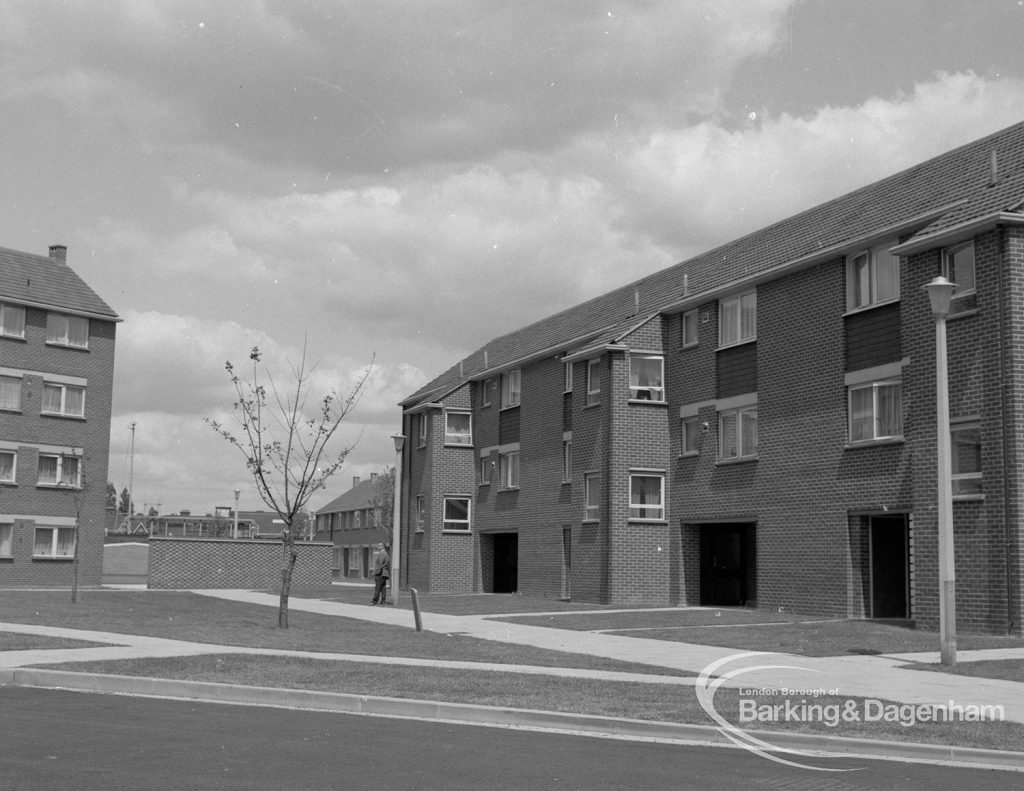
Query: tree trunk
x=288, y=565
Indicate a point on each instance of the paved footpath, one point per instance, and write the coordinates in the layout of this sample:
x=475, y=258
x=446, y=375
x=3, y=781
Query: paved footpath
x=877, y=677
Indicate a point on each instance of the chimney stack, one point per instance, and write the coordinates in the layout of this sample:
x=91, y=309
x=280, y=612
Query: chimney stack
x=355, y=481
x=59, y=252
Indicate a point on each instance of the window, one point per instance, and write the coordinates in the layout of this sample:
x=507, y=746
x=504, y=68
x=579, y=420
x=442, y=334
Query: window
x=965, y=440
x=958, y=266
x=593, y=381
x=645, y=377
x=690, y=439
x=10, y=392
x=872, y=277
x=566, y=461
x=54, y=542
x=63, y=400
x=509, y=464
x=568, y=377
x=358, y=518
x=67, y=330
x=875, y=411
x=458, y=428
x=58, y=470
x=737, y=433
x=12, y=321
x=456, y=513
x=421, y=512
x=423, y=428
x=646, y=496
x=6, y=542
x=510, y=384
x=737, y=319
x=355, y=555
x=689, y=328
x=485, y=471
x=485, y=392
x=8, y=466
x=591, y=496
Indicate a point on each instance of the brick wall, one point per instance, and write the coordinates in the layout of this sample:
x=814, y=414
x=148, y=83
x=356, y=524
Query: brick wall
x=187, y=563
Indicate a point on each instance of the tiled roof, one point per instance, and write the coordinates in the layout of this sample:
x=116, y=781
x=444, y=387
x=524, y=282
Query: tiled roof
x=961, y=177
x=358, y=498
x=41, y=280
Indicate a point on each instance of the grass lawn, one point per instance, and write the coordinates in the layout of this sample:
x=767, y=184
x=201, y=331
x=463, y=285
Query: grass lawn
x=202, y=619
x=1004, y=669
x=662, y=702
x=12, y=641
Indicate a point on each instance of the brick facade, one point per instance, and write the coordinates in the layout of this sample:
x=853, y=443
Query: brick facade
x=817, y=519
x=198, y=563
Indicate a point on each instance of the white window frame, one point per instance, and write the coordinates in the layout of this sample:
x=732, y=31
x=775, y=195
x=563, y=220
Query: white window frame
x=58, y=330
x=485, y=392
x=55, y=533
x=6, y=539
x=689, y=328
x=863, y=294
x=458, y=438
x=965, y=295
x=730, y=319
x=647, y=512
x=508, y=466
x=451, y=525
x=591, y=496
x=511, y=388
x=421, y=512
x=567, y=460
x=876, y=388
x=14, y=465
x=486, y=465
x=63, y=409
x=422, y=419
x=61, y=459
x=640, y=392
x=965, y=484
x=355, y=558
x=745, y=449
x=7, y=312
x=593, y=388
x=688, y=448
x=568, y=377
x=13, y=382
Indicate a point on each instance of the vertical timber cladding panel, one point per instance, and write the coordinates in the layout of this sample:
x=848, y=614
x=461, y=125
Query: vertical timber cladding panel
x=544, y=504
x=454, y=556
x=416, y=482
x=590, y=455
x=690, y=377
x=639, y=551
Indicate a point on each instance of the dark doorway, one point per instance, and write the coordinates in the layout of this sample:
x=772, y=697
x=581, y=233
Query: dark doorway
x=890, y=567
x=726, y=564
x=506, y=562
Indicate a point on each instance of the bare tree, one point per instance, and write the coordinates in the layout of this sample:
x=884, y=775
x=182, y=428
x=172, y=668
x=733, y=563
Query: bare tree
x=285, y=446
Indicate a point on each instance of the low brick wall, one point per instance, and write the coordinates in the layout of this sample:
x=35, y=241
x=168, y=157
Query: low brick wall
x=184, y=563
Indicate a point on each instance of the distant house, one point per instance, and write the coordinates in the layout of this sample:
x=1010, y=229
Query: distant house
x=350, y=523
x=56, y=380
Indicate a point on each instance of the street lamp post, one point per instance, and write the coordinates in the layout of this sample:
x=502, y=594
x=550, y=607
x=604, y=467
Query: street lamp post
x=940, y=292
x=396, y=521
x=234, y=529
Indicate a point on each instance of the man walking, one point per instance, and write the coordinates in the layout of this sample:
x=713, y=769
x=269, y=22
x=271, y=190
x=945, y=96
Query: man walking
x=381, y=573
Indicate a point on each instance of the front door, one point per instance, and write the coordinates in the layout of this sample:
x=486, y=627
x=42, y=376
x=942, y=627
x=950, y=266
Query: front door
x=506, y=562
x=890, y=567
x=724, y=551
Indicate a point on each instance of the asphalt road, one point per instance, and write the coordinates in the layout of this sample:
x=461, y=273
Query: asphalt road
x=53, y=739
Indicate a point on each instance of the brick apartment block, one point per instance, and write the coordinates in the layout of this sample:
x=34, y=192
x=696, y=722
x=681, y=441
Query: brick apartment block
x=754, y=426
x=56, y=378
x=349, y=522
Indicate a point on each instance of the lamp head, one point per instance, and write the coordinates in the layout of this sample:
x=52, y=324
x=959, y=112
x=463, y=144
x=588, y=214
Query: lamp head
x=940, y=294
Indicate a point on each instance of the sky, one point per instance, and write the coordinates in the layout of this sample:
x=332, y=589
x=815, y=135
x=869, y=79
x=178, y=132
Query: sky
x=391, y=184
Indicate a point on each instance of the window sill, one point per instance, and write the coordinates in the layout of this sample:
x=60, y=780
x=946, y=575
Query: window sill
x=968, y=498
x=872, y=306
x=593, y=405
x=453, y=532
x=648, y=401
x=732, y=462
x=686, y=346
x=484, y=483
x=873, y=443
x=59, y=487
x=963, y=314
x=53, y=345
x=567, y=483
x=510, y=406
x=647, y=520
x=509, y=489
x=60, y=415
x=737, y=343
x=20, y=338
x=690, y=454
x=591, y=521
x=458, y=444
x=11, y=411
x=52, y=559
